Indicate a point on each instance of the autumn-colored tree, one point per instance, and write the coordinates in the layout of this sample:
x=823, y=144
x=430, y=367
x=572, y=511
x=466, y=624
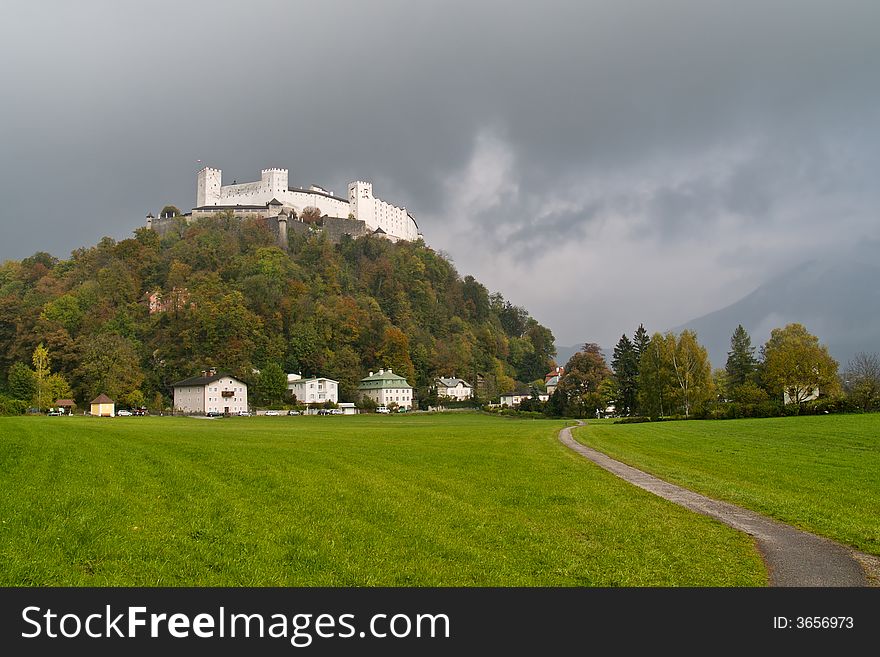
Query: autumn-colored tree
x=656, y=376
x=796, y=365
x=394, y=353
x=692, y=371
x=310, y=215
x=41, y=371
x=581, y=385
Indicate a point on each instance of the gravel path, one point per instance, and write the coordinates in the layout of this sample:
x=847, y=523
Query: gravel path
x=793, y=557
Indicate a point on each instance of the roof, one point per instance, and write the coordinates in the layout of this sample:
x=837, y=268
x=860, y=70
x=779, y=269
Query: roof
x=384, y=379
x=65, y=402
x=220, y=208
x=451, y=383
x=202, y=380
x=102, y=399
x=314, y=378
x=274, y=201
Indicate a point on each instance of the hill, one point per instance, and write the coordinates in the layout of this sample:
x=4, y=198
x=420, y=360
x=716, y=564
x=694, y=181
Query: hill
x=837, y=299
x=129, y=318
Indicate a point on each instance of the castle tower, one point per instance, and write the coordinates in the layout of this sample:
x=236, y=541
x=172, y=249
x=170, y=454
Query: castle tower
x=150, y=218
x=282, y=230
x=208, y=187
x=274, y=181
x=360, y=198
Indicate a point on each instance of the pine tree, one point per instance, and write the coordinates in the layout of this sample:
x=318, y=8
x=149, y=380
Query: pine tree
x=640, y=341
x=640, y=345
x=741, y=361
x=625, y=364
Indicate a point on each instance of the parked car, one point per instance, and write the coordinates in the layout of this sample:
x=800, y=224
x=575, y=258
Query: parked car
x=244, y=413
x=123, y=413
x=214, y=414
x=54, y=412
x=382, y=409
x=293, y=412
x=272, y=413
x=401, y=410
x=337, y=411
x=141, y=411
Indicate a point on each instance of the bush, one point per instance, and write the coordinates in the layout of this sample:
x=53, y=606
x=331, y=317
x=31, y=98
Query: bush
x=10, y=406
x=632, y=420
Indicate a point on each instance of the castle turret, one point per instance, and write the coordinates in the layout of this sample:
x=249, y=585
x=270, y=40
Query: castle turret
x=282, y=230
x=208, y=185
x=275, y=181
x=150, y=218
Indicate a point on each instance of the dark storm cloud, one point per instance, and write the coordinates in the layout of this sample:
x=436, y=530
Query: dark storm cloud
x=622, y=133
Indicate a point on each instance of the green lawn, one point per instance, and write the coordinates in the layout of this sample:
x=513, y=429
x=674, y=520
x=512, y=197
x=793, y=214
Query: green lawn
x=819, y=473
x=439, y=500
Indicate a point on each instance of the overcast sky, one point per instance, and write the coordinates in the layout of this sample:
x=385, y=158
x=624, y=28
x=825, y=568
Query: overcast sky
x=602, y=163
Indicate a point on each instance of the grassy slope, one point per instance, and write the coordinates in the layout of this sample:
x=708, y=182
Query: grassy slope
x=433, y=501
x=820, y=473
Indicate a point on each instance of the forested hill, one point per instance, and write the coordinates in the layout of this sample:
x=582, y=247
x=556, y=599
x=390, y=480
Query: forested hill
x=236, y=302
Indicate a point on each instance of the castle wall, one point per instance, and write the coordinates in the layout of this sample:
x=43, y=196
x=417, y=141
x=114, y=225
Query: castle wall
x=375, y=213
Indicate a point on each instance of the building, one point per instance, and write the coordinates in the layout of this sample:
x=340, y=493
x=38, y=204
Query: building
x=65, y=405
x=802, y=394
x=313, y=391
x=385, y=387
x=511, y=399
x=103, y=406
x=210, y=393
x=161, y=303
x=552, y=378
x=271, y=198
x=453, y=388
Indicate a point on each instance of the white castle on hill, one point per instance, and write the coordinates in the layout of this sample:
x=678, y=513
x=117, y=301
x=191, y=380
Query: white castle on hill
x=271, y=196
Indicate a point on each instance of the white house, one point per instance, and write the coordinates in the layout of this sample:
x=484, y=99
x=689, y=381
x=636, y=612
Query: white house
x=512, y=399
x=453, y=388
x=313, y=391
x=210, y=393
x=385, y=387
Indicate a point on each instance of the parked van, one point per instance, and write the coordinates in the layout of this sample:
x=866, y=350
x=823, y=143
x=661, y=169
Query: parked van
x=382, y=409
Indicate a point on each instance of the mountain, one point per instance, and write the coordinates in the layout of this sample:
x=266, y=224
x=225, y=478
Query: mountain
x=837, y=299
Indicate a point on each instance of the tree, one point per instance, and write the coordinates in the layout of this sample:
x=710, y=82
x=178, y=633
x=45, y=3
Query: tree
x=861, y=381
x=625, y=365
x=640, y=341
x=310, y=215
x=656, y=378
x=21, y=382
x=741, y=361
x=110, y=365
x=271, y=384
x=169, y=211
x=640, y=345
x=580, y=385
x=41, y=370
x=796, y=365
x=693, y=373
x=56, y=387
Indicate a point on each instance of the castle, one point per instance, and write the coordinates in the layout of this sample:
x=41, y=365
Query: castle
x=271, y=198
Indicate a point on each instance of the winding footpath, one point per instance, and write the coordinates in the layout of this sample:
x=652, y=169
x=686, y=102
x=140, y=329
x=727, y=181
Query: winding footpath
x=793, y=557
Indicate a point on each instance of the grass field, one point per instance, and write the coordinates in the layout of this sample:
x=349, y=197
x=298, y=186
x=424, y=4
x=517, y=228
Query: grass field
x=439, y=500
x=819, y=473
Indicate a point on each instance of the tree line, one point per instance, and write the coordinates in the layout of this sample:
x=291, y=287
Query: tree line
x=669, y=375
